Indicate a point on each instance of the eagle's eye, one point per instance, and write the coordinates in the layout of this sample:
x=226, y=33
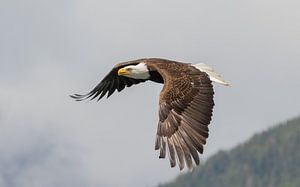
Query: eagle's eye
x=129, y=69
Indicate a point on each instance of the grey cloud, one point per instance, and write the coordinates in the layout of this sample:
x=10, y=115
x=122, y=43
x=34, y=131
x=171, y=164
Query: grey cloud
x=31, y=158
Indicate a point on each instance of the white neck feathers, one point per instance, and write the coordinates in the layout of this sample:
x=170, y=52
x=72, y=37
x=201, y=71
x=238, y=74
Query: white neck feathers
x=139, y=71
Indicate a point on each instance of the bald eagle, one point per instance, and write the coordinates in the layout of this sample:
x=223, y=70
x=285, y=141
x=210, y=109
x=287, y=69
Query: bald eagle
x=185, y=103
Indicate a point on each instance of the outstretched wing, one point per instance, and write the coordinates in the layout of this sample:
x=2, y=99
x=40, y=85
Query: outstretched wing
x=110, y=83
x=185, y=110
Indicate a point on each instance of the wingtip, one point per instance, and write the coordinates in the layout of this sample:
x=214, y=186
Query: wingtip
x=77, y=97
x=74, y=96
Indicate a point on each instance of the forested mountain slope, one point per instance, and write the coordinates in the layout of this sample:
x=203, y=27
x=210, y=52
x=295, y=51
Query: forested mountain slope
x=268, y=159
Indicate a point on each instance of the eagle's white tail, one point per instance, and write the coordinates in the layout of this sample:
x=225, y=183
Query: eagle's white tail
x=214, y=76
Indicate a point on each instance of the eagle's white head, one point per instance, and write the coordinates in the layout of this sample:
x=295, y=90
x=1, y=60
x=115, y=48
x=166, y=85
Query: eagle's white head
x=139, y=71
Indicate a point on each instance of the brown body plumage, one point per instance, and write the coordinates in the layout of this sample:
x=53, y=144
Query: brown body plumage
x=185, y=105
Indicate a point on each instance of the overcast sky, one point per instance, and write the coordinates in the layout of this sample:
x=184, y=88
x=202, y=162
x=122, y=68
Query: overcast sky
x=50, y=49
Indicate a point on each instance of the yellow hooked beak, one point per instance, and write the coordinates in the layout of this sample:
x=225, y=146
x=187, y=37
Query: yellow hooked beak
x=123, y=71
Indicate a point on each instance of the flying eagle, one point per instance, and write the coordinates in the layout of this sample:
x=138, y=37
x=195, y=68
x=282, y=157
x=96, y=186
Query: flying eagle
x=185, y=103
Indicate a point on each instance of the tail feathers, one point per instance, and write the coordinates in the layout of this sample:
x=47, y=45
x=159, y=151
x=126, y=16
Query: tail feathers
x=214, y=76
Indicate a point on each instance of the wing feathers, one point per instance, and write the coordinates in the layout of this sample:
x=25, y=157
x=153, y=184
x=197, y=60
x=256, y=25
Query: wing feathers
x=184, y=118
x=112, y=88
x=110, y=83
x=179, y=151
x=163, y=148
x=171, y=152
x=190, y=146
x=186, y=151
x=197, y=139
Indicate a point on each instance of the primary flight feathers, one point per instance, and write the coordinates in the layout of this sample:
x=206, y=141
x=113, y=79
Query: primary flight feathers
x=185, y=103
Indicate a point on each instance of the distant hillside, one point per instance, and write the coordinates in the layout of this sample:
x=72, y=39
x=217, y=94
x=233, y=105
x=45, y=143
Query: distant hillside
x=268, y=159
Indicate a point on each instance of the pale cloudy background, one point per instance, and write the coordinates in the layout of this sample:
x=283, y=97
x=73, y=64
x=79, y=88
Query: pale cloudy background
x=50, y=49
